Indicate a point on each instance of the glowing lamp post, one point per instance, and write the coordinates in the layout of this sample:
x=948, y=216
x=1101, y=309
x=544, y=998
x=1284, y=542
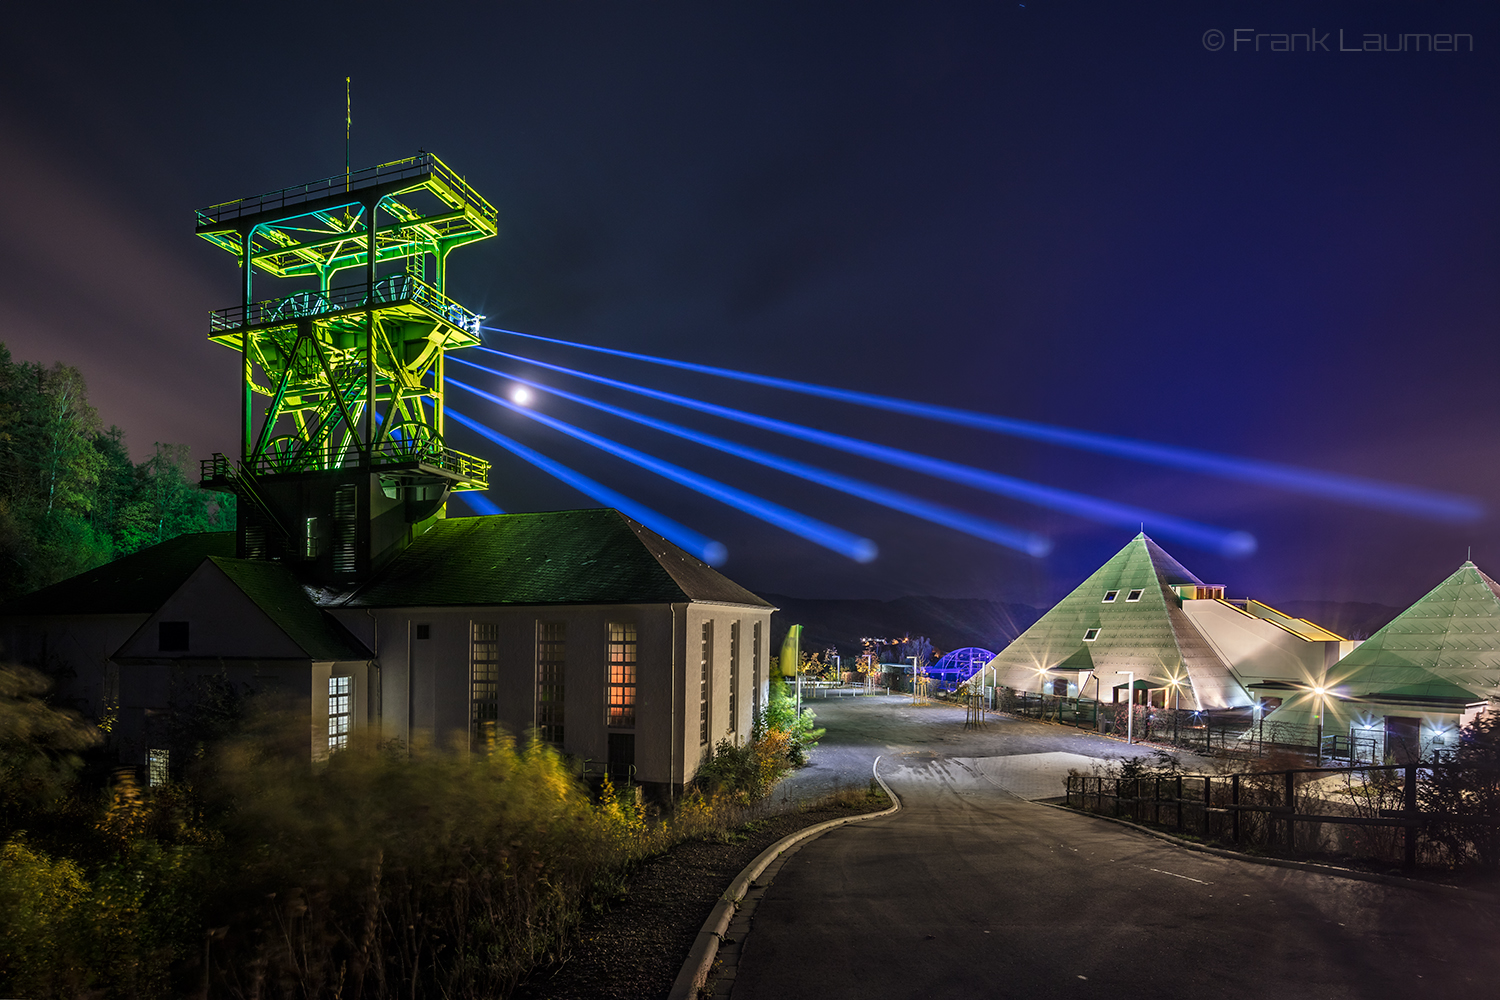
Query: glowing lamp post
x=1318, y=693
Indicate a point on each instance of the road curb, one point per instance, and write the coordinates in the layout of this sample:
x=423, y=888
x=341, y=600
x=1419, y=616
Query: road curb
x=705, y=948
x=1474, y=895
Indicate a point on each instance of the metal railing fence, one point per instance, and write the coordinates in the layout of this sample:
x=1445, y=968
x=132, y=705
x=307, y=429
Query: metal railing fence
x=412, y=167
x=1442, y=815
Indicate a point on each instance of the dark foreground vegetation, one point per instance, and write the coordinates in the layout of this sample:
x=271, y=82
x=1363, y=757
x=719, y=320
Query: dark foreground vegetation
x=387, y=870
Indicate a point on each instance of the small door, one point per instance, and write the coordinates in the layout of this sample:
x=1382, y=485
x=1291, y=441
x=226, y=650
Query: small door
x=1060, y=687
x=1403, y=739
x=621, y=759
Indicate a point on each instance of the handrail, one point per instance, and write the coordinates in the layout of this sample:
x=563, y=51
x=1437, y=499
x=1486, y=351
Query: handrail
x=388, y=452
x=390, y=290
x=422, y=163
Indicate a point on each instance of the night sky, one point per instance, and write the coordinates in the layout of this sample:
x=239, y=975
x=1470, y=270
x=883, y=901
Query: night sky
x=1072, y=213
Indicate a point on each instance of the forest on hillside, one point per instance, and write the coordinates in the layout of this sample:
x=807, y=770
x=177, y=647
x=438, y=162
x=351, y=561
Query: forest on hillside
x=71, y=498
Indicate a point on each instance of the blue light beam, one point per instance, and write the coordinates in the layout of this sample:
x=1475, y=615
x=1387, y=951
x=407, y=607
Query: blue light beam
x=478, y=502
x=1357, y=490
x=1221, y=540
x=843, y=542
x=992, y=531
x=712, y=552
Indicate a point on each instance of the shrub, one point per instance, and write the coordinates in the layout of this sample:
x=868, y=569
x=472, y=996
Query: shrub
x=781, y=714
x=1464, y=797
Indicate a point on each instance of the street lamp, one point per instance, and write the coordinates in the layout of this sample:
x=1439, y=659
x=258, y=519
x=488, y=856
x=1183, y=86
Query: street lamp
x=1318, y=693
x=1176, y=703
x=1129, y=706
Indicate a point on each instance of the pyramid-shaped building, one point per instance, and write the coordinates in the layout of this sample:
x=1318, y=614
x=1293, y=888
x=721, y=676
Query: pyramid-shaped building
x=1143, y=615
x=1415, y=680
x=1125, y=618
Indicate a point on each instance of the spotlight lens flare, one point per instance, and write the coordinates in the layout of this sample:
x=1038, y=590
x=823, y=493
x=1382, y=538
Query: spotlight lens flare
x=520, y=395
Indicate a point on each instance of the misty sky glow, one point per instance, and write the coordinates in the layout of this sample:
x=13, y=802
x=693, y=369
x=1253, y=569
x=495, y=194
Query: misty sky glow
x=1072, y=213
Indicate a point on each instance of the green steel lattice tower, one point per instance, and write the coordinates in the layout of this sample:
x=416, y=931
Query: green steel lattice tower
x=342, y=458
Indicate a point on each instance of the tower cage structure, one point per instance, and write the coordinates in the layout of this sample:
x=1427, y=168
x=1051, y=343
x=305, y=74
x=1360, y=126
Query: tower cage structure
x=342, y=455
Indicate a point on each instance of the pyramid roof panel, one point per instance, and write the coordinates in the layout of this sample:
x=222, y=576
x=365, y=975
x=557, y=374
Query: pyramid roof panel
x=1142, y=629
x=1445, y=645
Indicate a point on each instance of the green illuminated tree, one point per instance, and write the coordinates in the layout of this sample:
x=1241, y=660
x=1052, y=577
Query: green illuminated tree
x=70, y=497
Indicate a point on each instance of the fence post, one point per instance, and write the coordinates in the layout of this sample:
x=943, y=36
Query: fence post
x=1234, y=800
x=1117, y=797
x=1156, y=803
x=1291, y=809
x=1410, y=814
x=1208, y=801
x=1179, y=803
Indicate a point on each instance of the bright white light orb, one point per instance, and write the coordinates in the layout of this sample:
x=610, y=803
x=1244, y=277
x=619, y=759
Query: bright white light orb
x=520, y=395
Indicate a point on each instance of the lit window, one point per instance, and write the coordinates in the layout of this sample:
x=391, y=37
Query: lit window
x=340, y=714
x=734, y=676
x=621, y=683
x=157, y=772
x=310, y=538
x=1110, y=595
x=484, y=680
x=551, y=663
x=1133, y=596
x=705, y=678
x=1091, y=635
x=755, y=669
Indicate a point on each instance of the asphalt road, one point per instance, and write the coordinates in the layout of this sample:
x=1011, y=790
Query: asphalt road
x=973, y=891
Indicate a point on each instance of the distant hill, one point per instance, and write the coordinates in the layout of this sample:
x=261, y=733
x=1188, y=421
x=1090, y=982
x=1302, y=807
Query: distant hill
x=955, y=622
x=1350, y=619
x=950, y=622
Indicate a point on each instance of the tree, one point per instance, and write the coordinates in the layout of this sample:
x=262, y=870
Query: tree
x=70, y=497
x=1462, y=796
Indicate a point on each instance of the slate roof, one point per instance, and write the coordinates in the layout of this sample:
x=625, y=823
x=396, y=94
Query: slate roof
x=133, y=584
x=594, y=556
x=1152, y=636
x=273, y=589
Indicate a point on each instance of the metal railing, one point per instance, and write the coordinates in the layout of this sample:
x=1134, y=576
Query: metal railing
x=394, y=289
x=1383, y=814
x=466, y=468
x=423, y=164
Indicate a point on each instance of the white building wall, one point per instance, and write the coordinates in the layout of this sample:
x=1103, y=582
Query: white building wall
x=425, y=683
x=1255, y=649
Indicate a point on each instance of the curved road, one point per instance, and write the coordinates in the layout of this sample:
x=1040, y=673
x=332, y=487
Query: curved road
x=971, y=890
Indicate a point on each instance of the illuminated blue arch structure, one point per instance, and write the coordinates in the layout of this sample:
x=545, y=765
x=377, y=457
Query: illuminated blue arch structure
x=957, y=667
